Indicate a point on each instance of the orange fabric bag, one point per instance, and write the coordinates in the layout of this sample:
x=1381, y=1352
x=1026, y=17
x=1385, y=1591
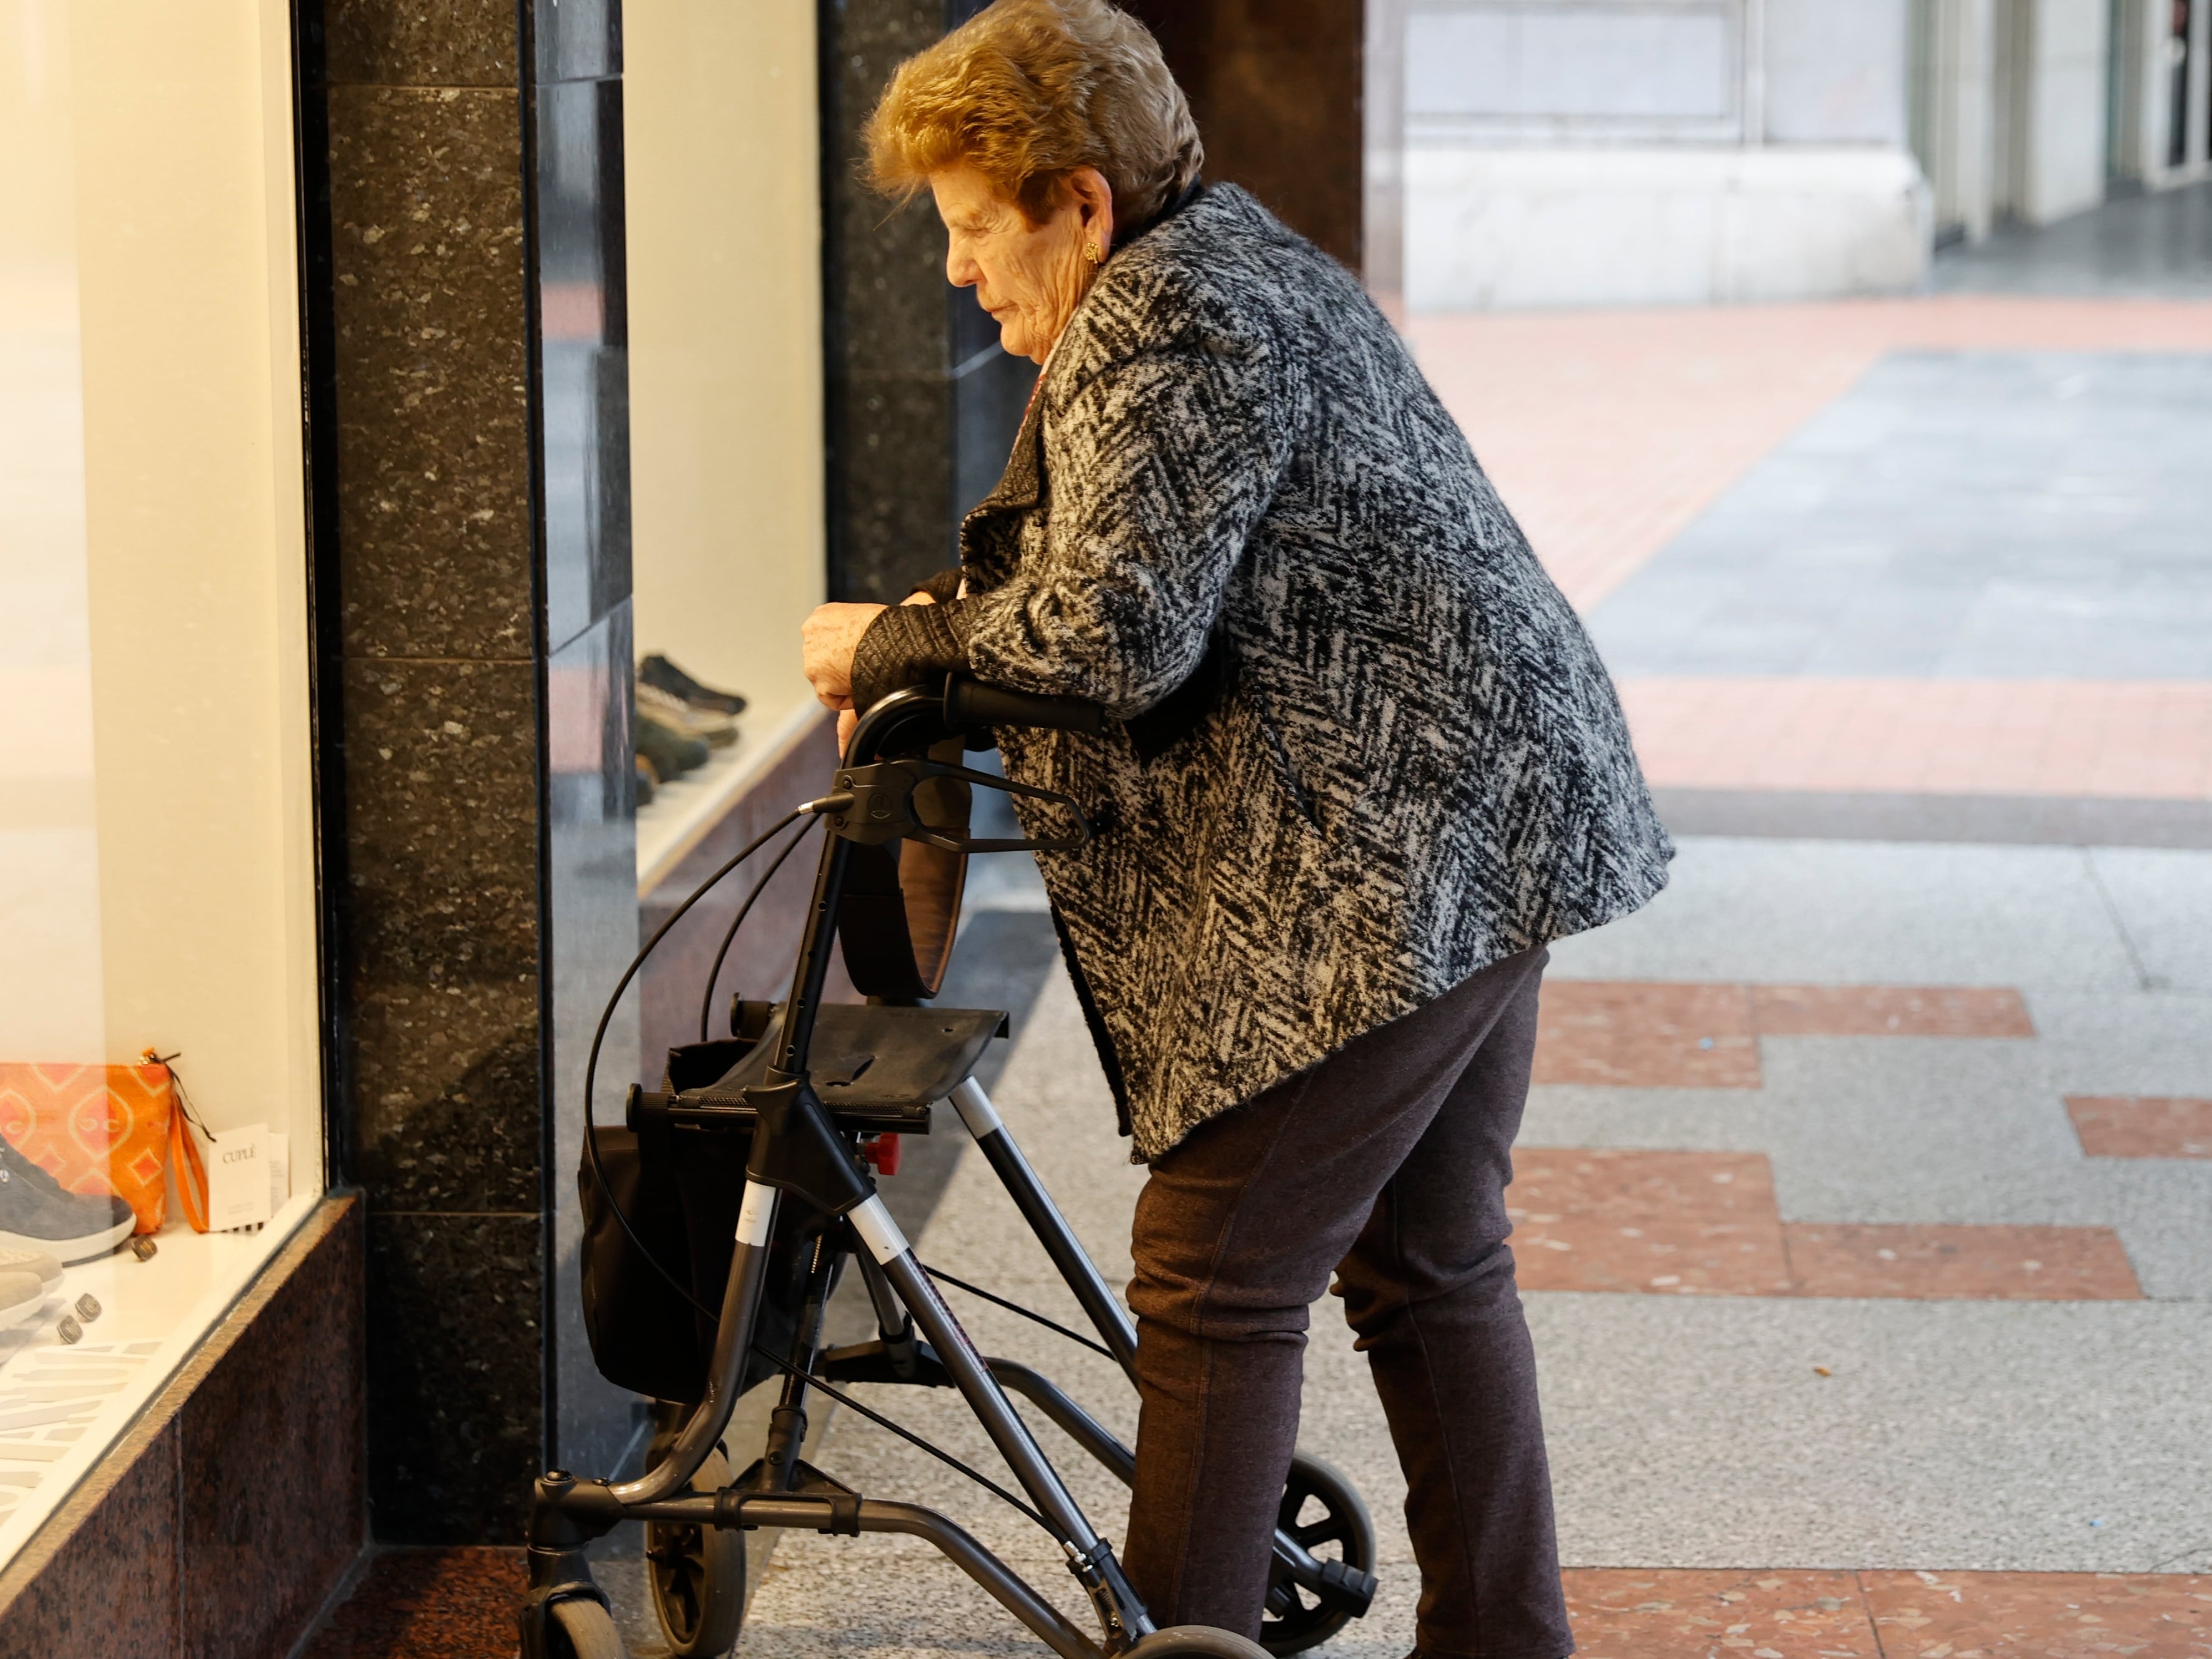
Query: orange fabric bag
x=96, y=1129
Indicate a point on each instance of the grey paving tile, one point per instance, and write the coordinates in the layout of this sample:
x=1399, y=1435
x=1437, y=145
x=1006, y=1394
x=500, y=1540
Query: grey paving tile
x=2153, y=245
x=1986, y=515
x=2163, y=900
x=1866, y=912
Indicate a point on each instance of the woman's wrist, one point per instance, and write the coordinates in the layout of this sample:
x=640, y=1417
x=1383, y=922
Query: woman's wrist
x=910, y=644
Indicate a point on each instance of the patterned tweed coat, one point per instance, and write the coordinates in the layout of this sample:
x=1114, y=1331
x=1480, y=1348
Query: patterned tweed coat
x=1363, y=746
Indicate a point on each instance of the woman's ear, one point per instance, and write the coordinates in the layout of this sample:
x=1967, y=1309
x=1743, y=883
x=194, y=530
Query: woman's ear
x=1093, y=205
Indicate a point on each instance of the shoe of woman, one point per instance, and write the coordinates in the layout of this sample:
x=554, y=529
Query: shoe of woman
x=669, y=751
x=656, y=671
x=718, y=730
x=37, y=1213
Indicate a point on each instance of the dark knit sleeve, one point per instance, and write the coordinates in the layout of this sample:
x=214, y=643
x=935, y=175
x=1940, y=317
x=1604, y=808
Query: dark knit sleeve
x=944, y=587
x=910, y=645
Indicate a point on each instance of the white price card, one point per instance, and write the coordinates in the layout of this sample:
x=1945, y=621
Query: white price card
x=238, y=1178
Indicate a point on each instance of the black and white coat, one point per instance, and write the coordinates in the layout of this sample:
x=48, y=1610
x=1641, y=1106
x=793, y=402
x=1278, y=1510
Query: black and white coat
x=1364, y=747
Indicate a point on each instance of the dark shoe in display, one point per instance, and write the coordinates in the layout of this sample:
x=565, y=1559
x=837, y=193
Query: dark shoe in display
x=647, y=781
x=38, y=1213
x=21, y=1297
x=656, y=671
x=47, y=1268
x=669, y=752
x=718, y=731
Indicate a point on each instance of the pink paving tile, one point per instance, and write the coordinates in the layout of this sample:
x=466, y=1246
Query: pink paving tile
x=1608, y=432
x=1635, y=1612
x=1645, y=1033
x=1889, y=1011
x=2135, y=739
x=2142, y=1126
x=1660, y=1223
x=1926, y=1263
x=2040, y=1615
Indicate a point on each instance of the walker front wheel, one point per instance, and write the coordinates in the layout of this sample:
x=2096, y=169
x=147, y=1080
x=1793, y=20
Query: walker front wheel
x=1196, y=1642
x=582, y=1629
x=1323, y=1511
x=697, y=1577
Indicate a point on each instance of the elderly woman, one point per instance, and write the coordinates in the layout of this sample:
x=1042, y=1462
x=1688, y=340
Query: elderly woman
x=1363, y=765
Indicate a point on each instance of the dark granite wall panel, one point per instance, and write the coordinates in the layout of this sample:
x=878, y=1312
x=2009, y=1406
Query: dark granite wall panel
x=916, y=392
x=420, y=43
x=1276, y=86
x=456, y=1377
x=478, y=612
x=427, y=233
x=230, y=1509
x=272, y=1497
x=441, y=849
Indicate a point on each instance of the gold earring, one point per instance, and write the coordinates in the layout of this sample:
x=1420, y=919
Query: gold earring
x=1092, y=248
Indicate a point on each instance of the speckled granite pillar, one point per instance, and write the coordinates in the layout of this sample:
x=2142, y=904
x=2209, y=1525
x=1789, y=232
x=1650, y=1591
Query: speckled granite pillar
x=477, y=610
x=922, y=406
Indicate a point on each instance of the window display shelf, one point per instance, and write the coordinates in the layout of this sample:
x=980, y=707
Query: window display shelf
x=683, y=809
x=63, y=1404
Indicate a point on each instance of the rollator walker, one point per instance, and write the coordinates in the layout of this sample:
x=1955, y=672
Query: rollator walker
x=720, y=1214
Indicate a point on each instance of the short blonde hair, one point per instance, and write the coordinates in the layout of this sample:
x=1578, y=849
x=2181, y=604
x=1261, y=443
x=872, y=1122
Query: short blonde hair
x=1027, y=91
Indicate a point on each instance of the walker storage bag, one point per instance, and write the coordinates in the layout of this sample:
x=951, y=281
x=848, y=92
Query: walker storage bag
x=99, y=1130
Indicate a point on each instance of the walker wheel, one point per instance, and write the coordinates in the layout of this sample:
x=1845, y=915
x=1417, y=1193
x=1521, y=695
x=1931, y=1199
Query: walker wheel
x=1195, y=1641
x=582, y=1629
x=697, y=1577
x=1323, y=1511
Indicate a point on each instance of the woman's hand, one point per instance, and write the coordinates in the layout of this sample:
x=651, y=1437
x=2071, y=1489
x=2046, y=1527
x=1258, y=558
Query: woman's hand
x=826, y=641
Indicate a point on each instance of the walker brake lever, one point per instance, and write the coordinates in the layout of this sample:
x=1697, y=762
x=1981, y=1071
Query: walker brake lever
x=875, y=805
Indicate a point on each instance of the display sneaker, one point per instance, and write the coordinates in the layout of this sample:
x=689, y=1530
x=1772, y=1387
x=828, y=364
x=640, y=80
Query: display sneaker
x=48, y=1267
x=718, y=730
x=38, y=1213
x=658, y=671
x=22, y=1295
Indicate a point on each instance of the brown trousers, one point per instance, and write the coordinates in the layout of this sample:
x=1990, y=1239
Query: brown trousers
x=1387, y=1162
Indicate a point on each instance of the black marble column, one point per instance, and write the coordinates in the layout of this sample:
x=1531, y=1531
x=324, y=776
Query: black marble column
x=472, y=596
x=922, y=404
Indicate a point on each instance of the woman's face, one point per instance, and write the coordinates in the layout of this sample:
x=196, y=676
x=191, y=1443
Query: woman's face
x=1029, y=277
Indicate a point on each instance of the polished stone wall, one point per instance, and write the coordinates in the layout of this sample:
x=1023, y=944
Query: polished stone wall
x=233, y=1506
x=922, y=404
x=477, y=657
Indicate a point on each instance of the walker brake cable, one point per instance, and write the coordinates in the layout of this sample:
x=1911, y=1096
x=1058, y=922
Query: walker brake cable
x=606, y=1016
x=939, y=1274
x=714, y=973
x=906, y=1434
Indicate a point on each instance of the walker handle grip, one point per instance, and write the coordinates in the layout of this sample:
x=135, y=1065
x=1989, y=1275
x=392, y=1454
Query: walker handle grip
x=970, y=703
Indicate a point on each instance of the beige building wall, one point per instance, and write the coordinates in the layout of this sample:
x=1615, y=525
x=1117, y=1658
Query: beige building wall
x=725, y=328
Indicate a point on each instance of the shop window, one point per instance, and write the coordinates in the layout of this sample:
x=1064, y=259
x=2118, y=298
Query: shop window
x=156, y=845
x=725, y=309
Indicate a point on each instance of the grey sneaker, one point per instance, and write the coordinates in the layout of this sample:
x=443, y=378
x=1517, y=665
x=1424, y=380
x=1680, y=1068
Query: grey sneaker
x=47, y=1268
x=21, y=1297
x=38, y=1213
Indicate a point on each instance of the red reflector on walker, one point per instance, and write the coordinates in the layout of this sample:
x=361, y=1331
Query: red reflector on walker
x=882, y=1154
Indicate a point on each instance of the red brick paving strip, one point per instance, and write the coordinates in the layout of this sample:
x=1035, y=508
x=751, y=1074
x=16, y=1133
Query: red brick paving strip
x=1668, y=1223
x=1654, y=1033
x=1636, y=1613
x=1932, y=1263
x=1628, y=1613
x=1706, y=1224
x=1889, y=1011
x=2142, y=1126
x=429, y=1604
x=2041, y=1615
x=1645, y=1033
